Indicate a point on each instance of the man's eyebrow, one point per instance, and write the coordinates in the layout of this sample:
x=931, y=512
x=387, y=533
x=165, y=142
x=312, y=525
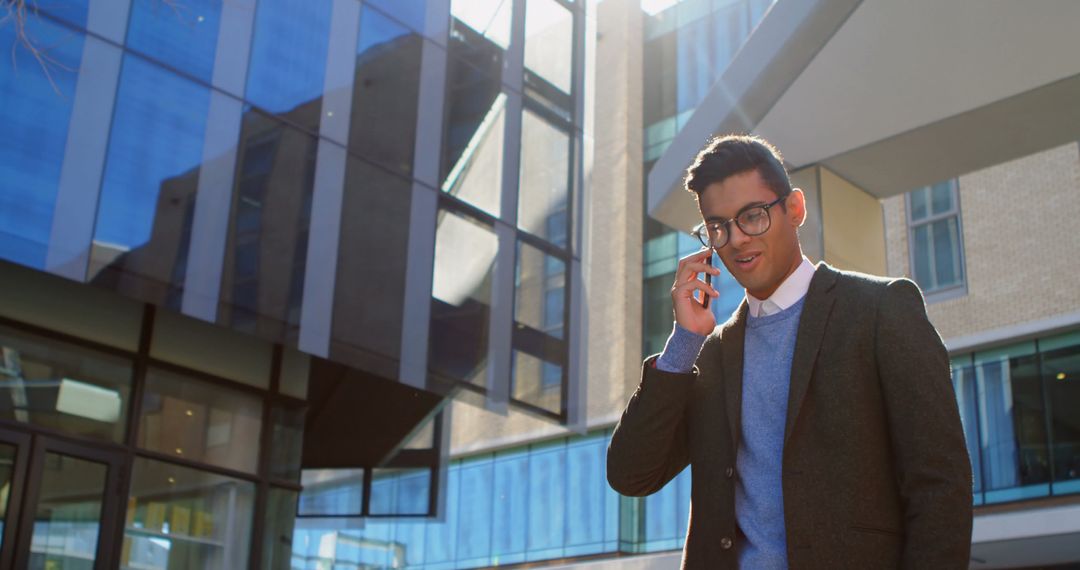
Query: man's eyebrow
x=741, y=210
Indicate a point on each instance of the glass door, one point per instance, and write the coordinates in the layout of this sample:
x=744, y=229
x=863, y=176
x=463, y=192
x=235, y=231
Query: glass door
x=58, y=502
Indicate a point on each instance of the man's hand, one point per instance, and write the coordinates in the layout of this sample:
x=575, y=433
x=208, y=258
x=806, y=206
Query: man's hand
x=689, y=312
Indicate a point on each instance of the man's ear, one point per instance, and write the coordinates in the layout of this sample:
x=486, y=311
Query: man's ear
x=796, y=207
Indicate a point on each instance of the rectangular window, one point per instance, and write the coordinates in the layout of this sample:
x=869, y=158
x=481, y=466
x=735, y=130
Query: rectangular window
x=936, y=240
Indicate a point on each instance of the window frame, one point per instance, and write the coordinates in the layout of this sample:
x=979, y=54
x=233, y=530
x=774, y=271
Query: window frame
x=951, y=291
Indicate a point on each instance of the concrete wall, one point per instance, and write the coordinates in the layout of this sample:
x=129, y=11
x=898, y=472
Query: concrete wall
x=1021, y=243
x=853, y=229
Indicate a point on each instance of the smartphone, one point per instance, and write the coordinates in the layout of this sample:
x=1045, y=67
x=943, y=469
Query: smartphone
x=708, y=281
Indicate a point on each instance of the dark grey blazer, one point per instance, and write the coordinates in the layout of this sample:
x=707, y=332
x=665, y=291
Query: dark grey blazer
x=876, y=473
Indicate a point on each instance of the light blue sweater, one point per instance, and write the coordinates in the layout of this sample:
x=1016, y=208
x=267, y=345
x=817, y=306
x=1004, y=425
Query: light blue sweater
x=759, y=495
x=768, y=349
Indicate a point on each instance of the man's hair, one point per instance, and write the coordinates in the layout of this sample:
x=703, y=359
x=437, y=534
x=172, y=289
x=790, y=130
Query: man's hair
x=733, y=154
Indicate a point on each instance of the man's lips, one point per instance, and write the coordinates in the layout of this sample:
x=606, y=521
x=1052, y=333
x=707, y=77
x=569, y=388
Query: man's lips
x=747, y=257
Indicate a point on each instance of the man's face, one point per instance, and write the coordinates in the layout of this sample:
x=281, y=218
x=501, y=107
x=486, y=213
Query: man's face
x=759, y=263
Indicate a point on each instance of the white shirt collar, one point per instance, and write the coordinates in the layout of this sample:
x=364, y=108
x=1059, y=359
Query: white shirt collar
x=787, y=294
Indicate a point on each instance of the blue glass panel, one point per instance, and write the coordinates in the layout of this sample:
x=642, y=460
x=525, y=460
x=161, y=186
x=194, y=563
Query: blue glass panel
x=475, y=519
x=585, y=461
x=511, y=506
x=963, y=376
x=266, y=253
x=682, y=504
x=1014, y=437
x=408, y=12
x=72, y=11
x=288, y=58
x=547, y=502
x=150, y=181
x=34, y=113
x=409, y=536
x=183, y=37
x=440, y=541
x=661, y=513
x=385, y=91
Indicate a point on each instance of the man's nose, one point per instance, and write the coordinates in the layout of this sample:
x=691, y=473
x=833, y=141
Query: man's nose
x=737, y=238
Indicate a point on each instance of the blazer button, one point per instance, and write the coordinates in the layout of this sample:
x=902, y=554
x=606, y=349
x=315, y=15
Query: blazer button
x=725, y=543
x=729, y=472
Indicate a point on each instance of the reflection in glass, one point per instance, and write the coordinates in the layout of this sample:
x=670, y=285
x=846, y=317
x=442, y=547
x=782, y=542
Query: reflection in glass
x=528, y=503
x=184, y=39
x=369, y=294
x=263, y=276
x=461, y=297
x=1061, y=376
x=539, y=348
x=72, y=11
x=665, y=515
x=385, y=91
x=400, y=491
x=60, y=386
x=34, y=112
x=330, y=492
x=278, y=530
x=486, y=21
x=544, y=179
x=472, y=149
x=549, y=44
x=547, y=502
x=288, y=59
x=287, y=440
x=412, y=13
x=1014, y=423
x=964, y=385
x=151, y=176
x=67, y=520
x=180, y=518
x=7, y=477
x=200, y=421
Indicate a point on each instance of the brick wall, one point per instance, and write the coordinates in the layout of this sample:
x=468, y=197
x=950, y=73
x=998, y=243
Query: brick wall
x=1021, y=233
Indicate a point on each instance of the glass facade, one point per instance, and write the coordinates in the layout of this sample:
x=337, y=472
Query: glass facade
x=214, y=160
x=688, y=45
x=1018, y=404
x=201, y=467
x=542, y=501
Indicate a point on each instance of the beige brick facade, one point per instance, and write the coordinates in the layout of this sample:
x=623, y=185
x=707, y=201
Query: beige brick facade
x=1021, y=235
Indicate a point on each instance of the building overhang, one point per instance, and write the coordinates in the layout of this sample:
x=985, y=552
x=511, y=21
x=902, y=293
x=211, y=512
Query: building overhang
x=890, y=95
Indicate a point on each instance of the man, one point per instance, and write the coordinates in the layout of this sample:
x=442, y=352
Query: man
x=819, y=421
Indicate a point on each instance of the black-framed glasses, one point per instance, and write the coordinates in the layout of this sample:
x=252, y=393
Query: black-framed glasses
x=752, y=221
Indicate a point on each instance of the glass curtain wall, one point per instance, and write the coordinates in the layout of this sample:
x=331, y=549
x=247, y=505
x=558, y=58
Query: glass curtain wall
x=1019, y=406
x=158, y=108
x=494, y=121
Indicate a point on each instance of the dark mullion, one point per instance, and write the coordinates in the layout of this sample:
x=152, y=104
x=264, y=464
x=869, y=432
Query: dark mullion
x=1047, y=414
x=206, y=377
x=266, y=440
x=365, y=501
x=135, y=404
x=192, y=464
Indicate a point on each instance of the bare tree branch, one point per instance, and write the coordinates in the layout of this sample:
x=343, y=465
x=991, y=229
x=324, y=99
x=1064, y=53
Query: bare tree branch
x=18, y=12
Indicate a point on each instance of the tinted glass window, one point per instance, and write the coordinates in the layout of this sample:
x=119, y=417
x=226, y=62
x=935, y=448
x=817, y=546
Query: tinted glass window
x=35, y=109
x=147, y=200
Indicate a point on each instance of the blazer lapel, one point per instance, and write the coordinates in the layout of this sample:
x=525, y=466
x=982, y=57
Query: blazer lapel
x=815, y=315
x=732, y=345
